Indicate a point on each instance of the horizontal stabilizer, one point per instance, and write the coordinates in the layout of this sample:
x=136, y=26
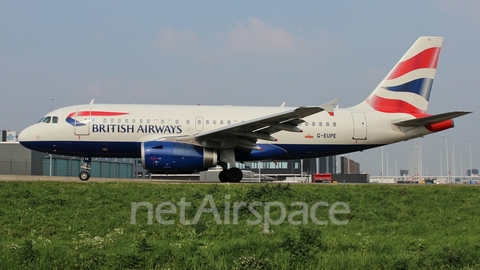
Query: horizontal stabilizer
x=419, y=122
x=329, y=106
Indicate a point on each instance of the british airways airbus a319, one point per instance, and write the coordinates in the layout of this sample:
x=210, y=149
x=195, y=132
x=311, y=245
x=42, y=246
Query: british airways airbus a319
x=174, y=139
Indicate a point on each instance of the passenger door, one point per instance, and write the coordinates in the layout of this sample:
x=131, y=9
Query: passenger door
x=359, y=126
x=83, y=121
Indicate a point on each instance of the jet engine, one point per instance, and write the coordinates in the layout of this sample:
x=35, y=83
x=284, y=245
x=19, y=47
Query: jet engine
x=176, y=157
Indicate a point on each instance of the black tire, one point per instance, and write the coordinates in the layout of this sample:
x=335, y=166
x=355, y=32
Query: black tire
x=234, y=175
x=84, y=176
x=222, y=176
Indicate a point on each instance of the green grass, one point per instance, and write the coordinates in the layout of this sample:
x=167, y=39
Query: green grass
x=48, y=225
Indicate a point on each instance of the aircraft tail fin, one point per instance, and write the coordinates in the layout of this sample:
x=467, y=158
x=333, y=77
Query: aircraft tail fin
x=407, y=87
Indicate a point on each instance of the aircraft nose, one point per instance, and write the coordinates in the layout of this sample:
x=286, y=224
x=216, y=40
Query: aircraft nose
x=25, y=135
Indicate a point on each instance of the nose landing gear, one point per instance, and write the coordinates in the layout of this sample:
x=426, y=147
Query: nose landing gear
x=85, y=174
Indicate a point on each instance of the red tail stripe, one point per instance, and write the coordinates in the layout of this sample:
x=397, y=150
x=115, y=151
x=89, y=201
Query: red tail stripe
x=425, y=59
x=392, y=105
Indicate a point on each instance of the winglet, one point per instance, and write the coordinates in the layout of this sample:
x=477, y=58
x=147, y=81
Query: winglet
x=329, y=106
x=283, y=104
x=91, y=102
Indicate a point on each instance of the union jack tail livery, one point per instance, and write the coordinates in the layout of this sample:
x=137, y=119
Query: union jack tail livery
x=406, y=88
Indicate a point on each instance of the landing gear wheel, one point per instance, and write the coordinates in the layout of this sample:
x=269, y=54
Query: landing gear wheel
x=222, y=176
x=84, y=176
x=234, y=175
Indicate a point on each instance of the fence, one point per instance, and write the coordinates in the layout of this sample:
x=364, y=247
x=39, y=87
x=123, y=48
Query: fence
x=66, y=167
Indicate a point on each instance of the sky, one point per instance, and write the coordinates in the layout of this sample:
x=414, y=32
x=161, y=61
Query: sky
x=263, y=53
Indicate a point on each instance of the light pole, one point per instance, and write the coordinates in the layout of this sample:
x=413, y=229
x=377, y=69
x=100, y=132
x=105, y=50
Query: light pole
x=396, y=156
x=461, y=163
x=387, y=164
x=470, y=143
x=415, y=160
x=453, y=161
x=420, y=162
x=446, y=158
x=441, y=166
x=382, y=164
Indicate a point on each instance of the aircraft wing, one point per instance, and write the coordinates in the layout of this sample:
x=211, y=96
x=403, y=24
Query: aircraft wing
x=430, y=119
x=245, y=134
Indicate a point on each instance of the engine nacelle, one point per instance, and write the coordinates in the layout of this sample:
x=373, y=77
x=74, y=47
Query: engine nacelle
x=176, y=157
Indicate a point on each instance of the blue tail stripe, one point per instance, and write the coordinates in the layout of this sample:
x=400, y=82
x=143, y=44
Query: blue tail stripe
x=421, y=87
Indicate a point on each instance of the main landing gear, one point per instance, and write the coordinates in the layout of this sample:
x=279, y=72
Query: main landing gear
x=233, y=175
x=85, y=174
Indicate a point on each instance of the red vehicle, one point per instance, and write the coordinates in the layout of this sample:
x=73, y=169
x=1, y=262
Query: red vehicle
x=322, y=178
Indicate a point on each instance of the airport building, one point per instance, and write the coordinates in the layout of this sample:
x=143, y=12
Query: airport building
x=18, y=160
x=292, y=167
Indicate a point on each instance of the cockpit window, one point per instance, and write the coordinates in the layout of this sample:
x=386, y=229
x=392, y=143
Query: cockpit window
x=47, y=119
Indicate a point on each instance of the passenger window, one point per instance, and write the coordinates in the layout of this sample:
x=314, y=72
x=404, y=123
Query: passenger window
x=133, y=121
x=207, y=122
x=334, y=124
x=320, y=124
x=55, y=120
x=47, y=119
x=176, y=121
x=104, y=120
x=163, y=121
x=214, y=122
x=188, y=122
x=155, y=121
x=221, y=122
x=313, y=124
x=228, y=122
x=327, y=124
x=140, y=121
x=126, y=121
x=119, y=120
x=148, y=121
x=111, y=120
x=169, y=121
x=306, y=124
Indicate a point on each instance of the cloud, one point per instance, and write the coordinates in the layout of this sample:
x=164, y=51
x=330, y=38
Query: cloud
x=257, y=36
x=170, y=40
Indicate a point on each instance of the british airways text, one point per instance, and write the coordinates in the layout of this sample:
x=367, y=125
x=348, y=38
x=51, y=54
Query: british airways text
x=123, y=128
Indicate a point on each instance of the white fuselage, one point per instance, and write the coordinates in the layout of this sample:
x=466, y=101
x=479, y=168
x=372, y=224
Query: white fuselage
x=103, y=133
